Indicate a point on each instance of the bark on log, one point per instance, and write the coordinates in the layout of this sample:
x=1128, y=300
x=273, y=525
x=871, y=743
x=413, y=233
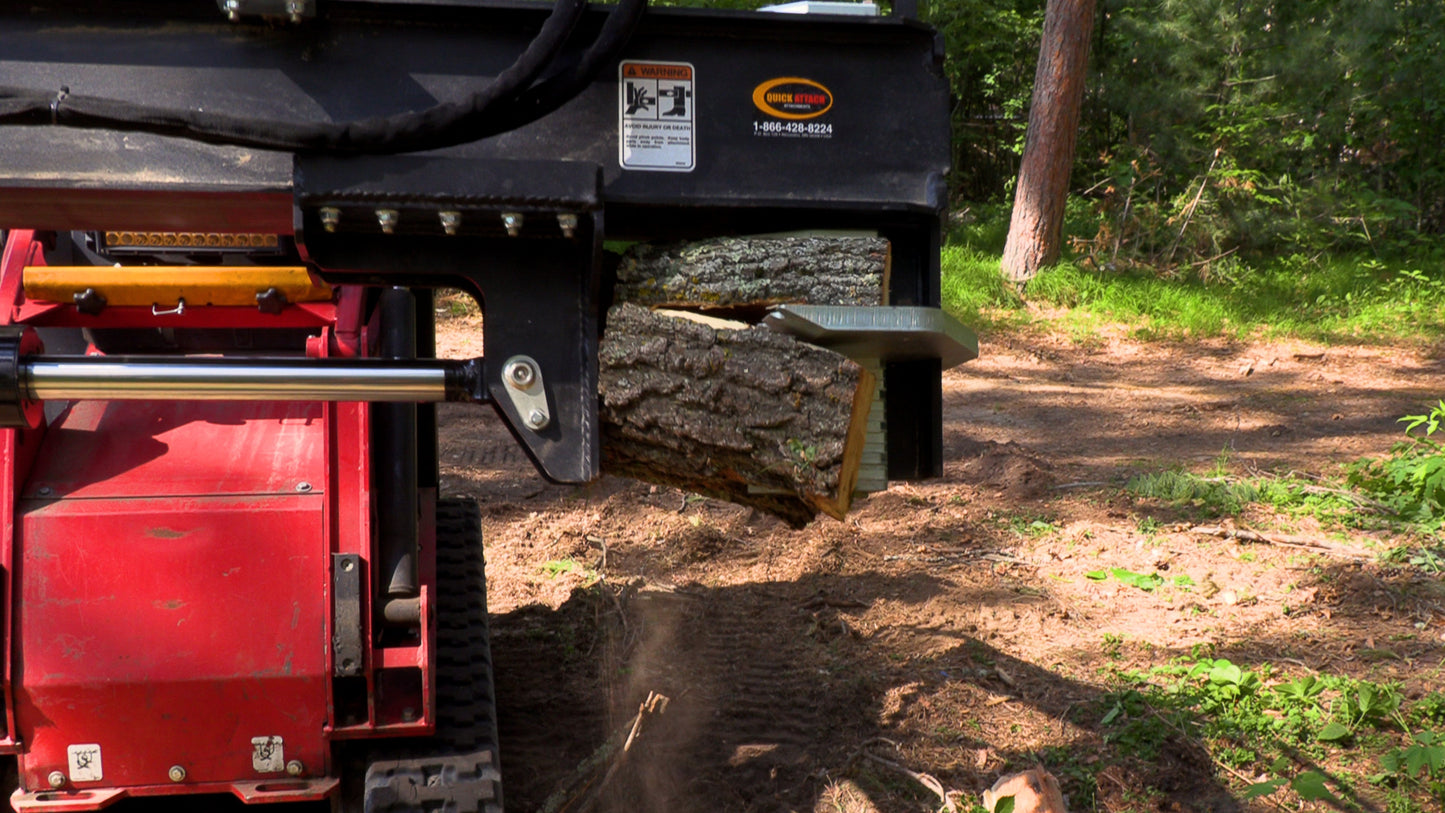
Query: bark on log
x=750, y=416
x=732, y=273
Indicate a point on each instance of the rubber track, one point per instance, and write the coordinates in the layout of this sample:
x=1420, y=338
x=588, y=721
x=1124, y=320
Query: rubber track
x=456, y=771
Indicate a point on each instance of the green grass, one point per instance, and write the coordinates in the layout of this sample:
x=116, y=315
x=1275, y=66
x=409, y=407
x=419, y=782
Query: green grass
x=1306, y=737
x=1326, y=298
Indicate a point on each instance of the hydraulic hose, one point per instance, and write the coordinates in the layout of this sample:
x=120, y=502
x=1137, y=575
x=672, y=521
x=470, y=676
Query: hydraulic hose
x=444, y=125
x=566, y=81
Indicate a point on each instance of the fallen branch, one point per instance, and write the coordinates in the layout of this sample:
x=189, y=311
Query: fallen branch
x=1245, y=535
x=581, y=790
x=926, y=780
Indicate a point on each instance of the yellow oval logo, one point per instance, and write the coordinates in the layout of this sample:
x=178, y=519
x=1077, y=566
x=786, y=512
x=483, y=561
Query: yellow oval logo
x=792, y=97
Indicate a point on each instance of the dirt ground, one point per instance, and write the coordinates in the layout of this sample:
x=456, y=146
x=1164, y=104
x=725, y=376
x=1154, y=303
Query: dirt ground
x=946, y=627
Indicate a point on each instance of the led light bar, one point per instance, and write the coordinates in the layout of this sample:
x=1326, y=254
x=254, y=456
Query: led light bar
x=185, y=240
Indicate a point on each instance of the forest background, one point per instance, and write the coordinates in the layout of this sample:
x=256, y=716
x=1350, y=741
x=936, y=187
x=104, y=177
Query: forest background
x=1243, y=166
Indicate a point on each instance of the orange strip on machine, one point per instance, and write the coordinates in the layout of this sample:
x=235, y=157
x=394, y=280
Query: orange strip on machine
x=197, y=285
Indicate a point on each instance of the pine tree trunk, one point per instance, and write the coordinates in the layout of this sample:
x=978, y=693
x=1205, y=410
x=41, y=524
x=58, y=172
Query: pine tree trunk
x=1036, y=229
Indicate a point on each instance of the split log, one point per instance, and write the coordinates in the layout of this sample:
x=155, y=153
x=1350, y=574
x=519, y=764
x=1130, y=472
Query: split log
x=730, y=411
x=744, y=273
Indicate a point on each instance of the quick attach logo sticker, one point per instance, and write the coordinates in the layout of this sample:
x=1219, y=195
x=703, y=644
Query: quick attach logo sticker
x=656, y=116
x=793, y=105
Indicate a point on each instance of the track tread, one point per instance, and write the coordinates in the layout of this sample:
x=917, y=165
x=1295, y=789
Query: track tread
x=457, y=770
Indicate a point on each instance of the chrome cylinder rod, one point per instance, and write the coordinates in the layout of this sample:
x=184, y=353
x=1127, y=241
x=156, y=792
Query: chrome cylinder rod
x=133, y=378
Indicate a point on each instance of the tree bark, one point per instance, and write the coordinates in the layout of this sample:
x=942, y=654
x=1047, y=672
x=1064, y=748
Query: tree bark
x=1036, y=229
x=738, y=413
x=742, y=273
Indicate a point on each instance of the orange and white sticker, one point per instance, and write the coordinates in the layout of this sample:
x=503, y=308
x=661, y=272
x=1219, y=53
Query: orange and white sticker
x=656, y=115
x=793, y=97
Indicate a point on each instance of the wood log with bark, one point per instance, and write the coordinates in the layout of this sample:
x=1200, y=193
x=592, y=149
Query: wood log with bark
x=740, y=273
x=729, y=410
x=734, y=412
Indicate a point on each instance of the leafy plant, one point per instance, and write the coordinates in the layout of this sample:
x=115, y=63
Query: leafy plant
x=1144, y=581
x=1425, y=754
x=1411, y=481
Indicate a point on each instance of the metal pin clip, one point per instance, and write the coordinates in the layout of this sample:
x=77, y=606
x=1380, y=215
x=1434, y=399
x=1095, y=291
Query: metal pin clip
x=178, y=310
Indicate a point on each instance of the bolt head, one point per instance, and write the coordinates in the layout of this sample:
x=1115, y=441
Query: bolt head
x=536, y=419
x=56, y=779
x=295, y=768
x=387, y=219
x=512, y=221
x=567, y=223
x=330, y=216
x=451, y=221
x=521, y=374
x=177, y=773
x=303, y=487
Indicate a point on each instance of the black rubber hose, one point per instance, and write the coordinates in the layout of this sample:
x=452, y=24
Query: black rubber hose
x=444, y=125
x=569, y=79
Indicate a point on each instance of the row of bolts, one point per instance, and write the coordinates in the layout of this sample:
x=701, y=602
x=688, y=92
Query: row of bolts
x=451, y=221
x=177, y=773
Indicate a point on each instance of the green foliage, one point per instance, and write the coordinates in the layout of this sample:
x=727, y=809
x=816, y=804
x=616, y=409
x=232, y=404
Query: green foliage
x=1425, y=754
x=993, y=49
x=1144, y=581
x=1411, y=480
x=1219, y=127
x=1281, y=730
x=1213, y=495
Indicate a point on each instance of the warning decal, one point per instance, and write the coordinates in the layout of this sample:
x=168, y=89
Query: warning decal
x=655, y=111
x=268, y=755
x=84, y=762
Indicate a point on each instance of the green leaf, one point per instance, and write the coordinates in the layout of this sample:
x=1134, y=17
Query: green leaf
x=1183, y=581
x=1096, y=575
x=1143, y=581
x=1113, y=713
x=1310, y=786
x=1004, y=805
x=1334, y=732
x=1424, y=756
x=1262, y=789
x=1226, y=672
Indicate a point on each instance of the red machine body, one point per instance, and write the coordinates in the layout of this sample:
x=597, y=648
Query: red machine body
x=174, y=561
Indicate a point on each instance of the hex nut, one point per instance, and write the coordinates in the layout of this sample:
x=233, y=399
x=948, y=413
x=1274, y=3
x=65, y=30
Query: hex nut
x=295, y=768
x=177, y=773
x=56, y=779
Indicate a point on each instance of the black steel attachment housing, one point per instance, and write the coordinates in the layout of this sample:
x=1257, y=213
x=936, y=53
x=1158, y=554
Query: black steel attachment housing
x=710, y=123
